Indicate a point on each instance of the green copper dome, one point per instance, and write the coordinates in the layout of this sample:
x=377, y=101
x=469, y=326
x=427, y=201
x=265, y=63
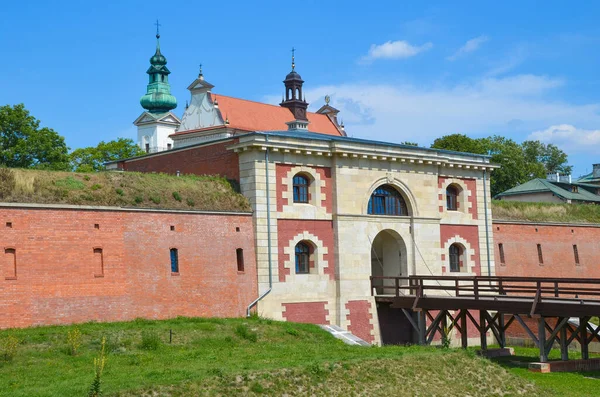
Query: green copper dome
x=158, y=98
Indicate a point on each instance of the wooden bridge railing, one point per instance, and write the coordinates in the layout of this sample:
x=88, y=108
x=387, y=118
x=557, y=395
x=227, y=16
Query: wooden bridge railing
x=476, y=286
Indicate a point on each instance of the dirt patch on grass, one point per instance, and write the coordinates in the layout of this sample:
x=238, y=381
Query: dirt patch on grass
x=121, y=189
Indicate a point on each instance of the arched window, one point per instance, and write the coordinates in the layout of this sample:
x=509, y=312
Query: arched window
x=302, y=258
x=452, y=198
x=300, y=188
x=455, y=254
x=386, y=200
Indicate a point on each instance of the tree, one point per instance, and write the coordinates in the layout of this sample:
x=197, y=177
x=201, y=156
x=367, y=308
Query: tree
x=93, y=158
x=409, y=143
x=519, y=163
x=461, y=143
x=23, y=144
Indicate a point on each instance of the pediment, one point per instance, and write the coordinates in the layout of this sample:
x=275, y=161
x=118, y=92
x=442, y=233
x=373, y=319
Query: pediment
x=200, y=84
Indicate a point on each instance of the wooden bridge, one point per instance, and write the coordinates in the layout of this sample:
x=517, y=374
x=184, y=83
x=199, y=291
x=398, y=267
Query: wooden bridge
x=438, y=304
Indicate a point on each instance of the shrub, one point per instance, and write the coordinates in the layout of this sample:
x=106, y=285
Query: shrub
x=99, y=363
x=191, y=202
x=86, y=177
x=8, y=347
x=291, y=331
x=138, y=199
x=177, y=196
x=74, y=340
x=155, y=199
x=120, y=191
x=96, y=186
x=244, y=332
x=150, y=340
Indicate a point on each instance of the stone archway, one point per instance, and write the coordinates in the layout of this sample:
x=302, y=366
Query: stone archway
x=389, y=258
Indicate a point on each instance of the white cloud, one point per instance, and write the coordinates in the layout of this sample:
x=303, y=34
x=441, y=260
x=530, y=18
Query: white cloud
x=394, y=50
x=569, y=138
x=470, y=46
x=512, y=106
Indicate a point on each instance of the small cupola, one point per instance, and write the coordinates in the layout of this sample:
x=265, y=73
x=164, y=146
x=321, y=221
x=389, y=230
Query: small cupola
x=293, y=93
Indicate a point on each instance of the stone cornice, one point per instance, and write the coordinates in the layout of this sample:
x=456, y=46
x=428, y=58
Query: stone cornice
x=379, y=151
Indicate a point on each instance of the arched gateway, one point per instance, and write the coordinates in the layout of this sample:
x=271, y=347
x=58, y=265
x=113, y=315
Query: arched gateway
x=388, y=258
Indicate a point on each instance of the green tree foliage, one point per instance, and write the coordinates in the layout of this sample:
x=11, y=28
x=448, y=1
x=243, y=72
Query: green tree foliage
x=23, y=144
x=93, y=158
x=408, y=143
x=519, y=162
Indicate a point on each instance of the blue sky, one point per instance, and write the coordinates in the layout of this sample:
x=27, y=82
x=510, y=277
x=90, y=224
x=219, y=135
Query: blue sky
x=397, y=70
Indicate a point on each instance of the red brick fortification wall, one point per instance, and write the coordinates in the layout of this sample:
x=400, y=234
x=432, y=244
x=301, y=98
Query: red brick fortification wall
x=60, y=278
x=360, y=319
x=204, y=160
x=519, y=242
x=288, y=229
x=306, y=312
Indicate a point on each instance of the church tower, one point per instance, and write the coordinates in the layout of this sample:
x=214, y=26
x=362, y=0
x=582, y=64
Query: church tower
x=293, y=97
x=157, y=122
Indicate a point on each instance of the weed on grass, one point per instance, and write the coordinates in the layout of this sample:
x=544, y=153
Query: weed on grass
x=8, y=347
x=244, y=332
x=150, y=340
x=74, y=340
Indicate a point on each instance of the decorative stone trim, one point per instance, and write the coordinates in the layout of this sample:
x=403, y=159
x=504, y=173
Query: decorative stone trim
x=314, y=209
x=318, y=256
x=392, y=180
x=464, y=205
x=468, y=254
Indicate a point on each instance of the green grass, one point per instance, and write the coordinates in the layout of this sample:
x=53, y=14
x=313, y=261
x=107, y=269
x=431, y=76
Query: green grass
x=240, y=357
x=545, y=212
x=121, y=189
x=553, y=384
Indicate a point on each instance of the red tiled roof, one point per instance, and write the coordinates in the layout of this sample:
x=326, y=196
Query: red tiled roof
x=257, y=116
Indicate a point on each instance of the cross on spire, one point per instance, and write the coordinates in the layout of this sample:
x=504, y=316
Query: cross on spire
x=157, y=31
x=293, y=63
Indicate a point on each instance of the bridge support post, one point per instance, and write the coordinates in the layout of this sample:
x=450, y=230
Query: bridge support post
x=564, y=347
x=583, y=323
x=422, y=326
x=482, y=329
x=501, y=333
x=463, y=329
x=542, y=339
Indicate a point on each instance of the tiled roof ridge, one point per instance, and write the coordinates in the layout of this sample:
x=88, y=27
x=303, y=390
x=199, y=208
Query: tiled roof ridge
x=259, y=103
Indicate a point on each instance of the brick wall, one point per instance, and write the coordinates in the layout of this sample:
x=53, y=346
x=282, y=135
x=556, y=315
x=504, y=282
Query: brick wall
x=59, y=279
x=287, y=229
x=212, y=159
x=306, y=312
x=519, y=242
x=360, y=319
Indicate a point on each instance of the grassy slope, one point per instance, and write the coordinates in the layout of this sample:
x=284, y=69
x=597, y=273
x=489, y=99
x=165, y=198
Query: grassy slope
x=216, y=356
x=545, y=212
x=127, y=189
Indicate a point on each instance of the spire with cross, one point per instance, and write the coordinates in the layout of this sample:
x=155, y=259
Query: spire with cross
x=293, y=62
x=157, y=29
